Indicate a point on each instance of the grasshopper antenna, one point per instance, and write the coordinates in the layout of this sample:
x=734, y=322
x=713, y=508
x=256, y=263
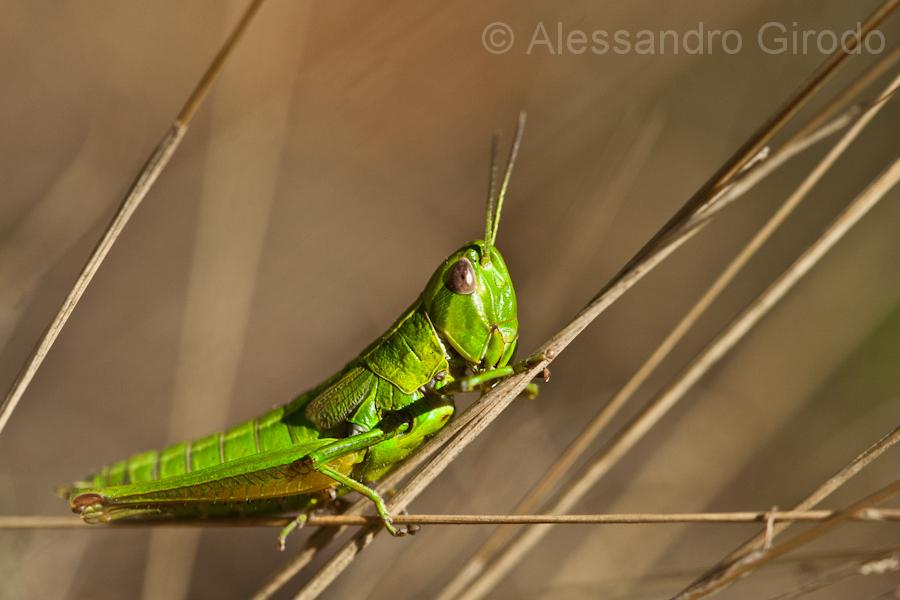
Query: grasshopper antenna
x=492, y=190
x=513, y=153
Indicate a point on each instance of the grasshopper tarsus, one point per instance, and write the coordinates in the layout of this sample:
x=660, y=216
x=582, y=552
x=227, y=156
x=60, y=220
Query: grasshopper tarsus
x=413, y=528
x=288, y=529
x=409, y=528
x=389, y=524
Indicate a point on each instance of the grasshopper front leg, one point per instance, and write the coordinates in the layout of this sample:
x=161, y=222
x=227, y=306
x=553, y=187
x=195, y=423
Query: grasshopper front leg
x=467, y=384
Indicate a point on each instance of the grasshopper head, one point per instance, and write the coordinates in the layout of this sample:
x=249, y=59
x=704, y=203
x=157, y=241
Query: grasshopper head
x=471, y=302
x=470, y=298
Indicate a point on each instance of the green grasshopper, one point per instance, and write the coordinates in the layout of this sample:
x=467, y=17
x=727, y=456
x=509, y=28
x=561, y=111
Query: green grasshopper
x=459, y=335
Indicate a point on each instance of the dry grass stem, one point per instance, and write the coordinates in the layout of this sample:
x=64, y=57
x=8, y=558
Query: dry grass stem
x=658, y=407
x=750, y=177
x=880, y=563
x=139, y=189
x=315, y=520
x=753, y=146
x=548, y=484
x=834, y=482
x=881, y=66
x=757, y=559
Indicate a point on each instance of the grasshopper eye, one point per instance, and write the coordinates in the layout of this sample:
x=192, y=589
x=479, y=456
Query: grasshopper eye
x=462, y=277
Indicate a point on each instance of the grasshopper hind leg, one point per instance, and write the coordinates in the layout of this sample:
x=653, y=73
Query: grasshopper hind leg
x=95, y=508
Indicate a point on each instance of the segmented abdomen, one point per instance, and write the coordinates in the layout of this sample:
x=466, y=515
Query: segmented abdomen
x=278, y=429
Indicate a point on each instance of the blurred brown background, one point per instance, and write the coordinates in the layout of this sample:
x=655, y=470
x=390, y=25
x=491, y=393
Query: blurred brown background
x=342, y=155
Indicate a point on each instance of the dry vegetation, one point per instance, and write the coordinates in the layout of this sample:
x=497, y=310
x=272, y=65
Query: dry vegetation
x=342, y=144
